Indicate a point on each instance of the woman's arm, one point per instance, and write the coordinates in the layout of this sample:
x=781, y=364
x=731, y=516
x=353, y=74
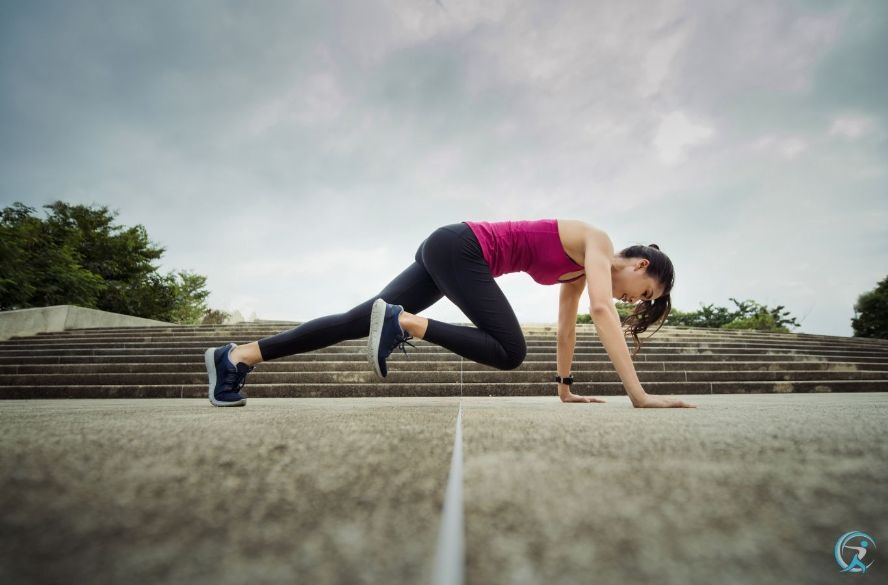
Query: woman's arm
x=567, y=337
x=607, y=324
x=564, y=356
x=605, y=317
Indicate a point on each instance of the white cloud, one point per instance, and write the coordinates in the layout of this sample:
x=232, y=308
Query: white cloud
x=792, y=147
x=331, y=261
x=297, y=153
x=787, y=147
x=852, y=127
x=739, y=47
x=316, y=99
x=677, y=134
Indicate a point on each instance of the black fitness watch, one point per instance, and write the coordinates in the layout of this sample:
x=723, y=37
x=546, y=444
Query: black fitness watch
x=567, y=380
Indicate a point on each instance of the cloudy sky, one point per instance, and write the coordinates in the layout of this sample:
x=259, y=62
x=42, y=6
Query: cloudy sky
x=297, y=153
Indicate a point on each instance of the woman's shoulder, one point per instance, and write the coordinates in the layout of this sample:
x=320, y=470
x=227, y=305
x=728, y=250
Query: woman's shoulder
x=579, y=232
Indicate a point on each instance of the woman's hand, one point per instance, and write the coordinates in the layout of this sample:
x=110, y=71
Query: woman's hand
x=577, y=398
x=654, y=401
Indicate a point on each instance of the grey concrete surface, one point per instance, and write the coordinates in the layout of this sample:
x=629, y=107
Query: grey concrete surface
x=179, y=491
x=21, y=322
x=743, y=489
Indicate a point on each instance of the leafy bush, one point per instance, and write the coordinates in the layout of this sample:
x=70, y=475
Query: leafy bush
x=215, y=317
x=747, y=315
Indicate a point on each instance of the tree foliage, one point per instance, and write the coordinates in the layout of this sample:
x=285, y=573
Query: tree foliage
x=747, y=315
x=78, y=256
x=871, y=312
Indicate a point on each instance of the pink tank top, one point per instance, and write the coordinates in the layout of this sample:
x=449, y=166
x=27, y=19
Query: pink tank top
x=530, y=246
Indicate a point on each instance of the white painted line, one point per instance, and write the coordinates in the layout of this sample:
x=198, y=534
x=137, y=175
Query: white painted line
x=450, y=556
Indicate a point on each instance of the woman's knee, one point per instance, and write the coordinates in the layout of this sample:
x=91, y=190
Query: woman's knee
x=514, y=357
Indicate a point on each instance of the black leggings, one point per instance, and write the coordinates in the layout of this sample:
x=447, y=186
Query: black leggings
x=448, y=262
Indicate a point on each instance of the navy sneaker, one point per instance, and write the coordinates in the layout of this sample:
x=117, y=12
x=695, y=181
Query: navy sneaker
x=385, y=335
x=226, y=379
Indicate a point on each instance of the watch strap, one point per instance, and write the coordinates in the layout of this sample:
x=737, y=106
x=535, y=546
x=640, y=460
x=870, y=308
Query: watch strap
x=567, y=380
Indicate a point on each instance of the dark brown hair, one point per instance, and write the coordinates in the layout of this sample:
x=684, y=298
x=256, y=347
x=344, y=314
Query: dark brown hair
x=647, y=313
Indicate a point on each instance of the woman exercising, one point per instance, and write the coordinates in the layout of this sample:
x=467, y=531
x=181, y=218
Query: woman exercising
x=461, y=260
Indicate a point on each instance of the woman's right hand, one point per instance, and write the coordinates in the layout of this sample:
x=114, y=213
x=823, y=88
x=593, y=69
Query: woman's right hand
x=656, y=401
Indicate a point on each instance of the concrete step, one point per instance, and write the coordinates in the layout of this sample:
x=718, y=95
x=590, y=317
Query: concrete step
x=168, y=362
x=581, y=367
x=25, y=345
x=172, y=354
x=445, y=361
x=21, y=346
x=583, y=331
x=433, y=389
x=419, y=376
x=529, y=329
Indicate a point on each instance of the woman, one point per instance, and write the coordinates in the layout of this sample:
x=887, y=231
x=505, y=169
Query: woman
x=461, y=260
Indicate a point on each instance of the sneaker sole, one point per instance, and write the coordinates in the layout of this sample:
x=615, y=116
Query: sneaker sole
x=211, y=370
x=377, y=317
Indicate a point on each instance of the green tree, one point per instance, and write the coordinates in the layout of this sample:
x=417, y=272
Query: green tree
x=39, y=269
x=708, y=316
x=78, y=256
x=871, y=312
x=747, y=315
x=761, y=321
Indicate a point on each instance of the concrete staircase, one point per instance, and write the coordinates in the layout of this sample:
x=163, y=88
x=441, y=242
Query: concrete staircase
x=149, y=362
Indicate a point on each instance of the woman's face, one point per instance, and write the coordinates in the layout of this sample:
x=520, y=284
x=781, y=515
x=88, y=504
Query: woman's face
x=632, y=284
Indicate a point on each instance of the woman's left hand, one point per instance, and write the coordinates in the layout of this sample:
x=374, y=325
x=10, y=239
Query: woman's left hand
x=577, y=398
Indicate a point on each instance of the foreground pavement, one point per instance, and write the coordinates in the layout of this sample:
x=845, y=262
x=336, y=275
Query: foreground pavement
x=744, y=489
